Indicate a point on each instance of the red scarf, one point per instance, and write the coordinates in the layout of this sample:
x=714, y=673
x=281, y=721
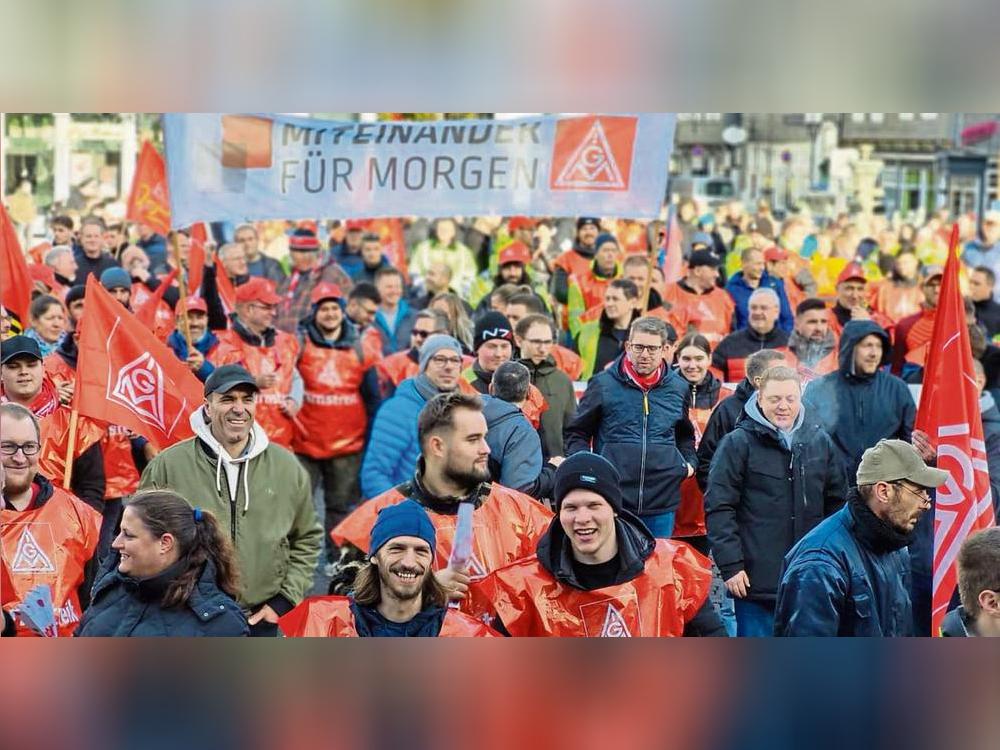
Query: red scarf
x=46, y=402
x=645, y=382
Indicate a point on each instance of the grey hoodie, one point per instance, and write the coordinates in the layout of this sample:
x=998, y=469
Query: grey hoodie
x=257, y=445
x=753, y=411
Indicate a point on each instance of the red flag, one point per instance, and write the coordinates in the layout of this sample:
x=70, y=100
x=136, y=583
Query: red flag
x=196, y=258
x=15, y=279
x=149, y=199
x=671, y=252
x=146, y=312
x=949, y=413
x=126, y=376
x=227, y=292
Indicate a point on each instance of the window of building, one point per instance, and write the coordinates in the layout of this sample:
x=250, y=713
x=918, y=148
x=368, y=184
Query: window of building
x=877, y=117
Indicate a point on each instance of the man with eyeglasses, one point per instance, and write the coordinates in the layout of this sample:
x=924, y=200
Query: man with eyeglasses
x=397, y=367
x=269, y=354
x=23, y=381
x=47, y=536
x=341, y=395
x=850, y=576
x=635, y=414
x=393, y=448
x=536, y=339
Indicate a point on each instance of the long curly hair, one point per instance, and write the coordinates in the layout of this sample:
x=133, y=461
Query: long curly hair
x=198, y=541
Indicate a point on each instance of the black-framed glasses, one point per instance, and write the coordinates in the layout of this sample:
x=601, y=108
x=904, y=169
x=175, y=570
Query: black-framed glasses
x=540, y=342
x=445, y=361
x=30, y=448
x=646, y=348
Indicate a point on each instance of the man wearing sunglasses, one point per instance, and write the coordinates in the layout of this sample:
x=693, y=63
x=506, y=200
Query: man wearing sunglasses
x=396, y=368
x=635, y=415
x=47, y=536
x=850, y=576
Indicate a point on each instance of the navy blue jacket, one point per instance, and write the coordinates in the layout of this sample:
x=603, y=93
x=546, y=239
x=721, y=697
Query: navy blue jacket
x=648, y=438
x=859, y=410
x=763, y=496
x=126, y=607
x=845, y=579
x=740, y=291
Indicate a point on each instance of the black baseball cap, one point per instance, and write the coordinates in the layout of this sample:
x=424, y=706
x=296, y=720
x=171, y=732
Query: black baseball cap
x=19, y=346
x=704, y=258
x=227, y=377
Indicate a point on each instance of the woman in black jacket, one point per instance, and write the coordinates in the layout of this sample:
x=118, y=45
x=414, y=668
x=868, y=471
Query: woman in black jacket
x=172, y=573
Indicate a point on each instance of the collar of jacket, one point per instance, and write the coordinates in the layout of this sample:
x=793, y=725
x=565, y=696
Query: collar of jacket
x=765, y=337
x=67, y=349
x=707, y=390
x=44, y=493
x=544, y=367
x=757, y=421
x=809, y=348
x=486, y=377
x=872, y=531
x=369, y=622
x=445, y=505
x=267, y=339
x=608, y=328
x=153, y=588
x=598, y=275
x=635, y=545
x=348, y=334
x=586, y=252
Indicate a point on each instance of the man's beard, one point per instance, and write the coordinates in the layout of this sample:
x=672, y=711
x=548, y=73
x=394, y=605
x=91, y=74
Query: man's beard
x=388, y=584
x=466, y=478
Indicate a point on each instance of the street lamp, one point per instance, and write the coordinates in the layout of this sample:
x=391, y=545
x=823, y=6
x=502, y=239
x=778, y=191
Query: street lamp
x=813, y=121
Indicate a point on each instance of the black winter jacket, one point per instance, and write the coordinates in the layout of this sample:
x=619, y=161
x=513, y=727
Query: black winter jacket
x=127, y=607
x=859, y=410
x=730, y=355
x=762, y=497
x=648, y=437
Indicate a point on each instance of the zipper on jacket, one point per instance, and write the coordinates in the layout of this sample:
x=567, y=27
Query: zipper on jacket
x=642, y=462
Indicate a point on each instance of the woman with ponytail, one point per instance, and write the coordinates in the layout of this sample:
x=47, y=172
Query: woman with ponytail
x=172, y=572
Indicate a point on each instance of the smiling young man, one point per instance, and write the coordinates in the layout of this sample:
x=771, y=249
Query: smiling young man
x=395, y=593
x=599, y=572
x=47, y=535
x=773, y=478
x=256, y=489
x=850, y=576
x=453, y=468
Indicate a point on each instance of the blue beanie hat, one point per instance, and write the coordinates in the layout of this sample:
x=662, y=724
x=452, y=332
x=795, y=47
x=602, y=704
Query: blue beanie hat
x=407, y=518
x=113, y=278
x=605, y=237
x=436, y=343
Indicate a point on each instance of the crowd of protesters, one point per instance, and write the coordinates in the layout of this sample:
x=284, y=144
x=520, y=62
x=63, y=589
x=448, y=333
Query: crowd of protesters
x=728, y=452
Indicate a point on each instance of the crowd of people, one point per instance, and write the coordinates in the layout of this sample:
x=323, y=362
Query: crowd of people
x=525, y=429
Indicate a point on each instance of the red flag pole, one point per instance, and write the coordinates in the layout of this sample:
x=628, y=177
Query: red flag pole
x=70, y=448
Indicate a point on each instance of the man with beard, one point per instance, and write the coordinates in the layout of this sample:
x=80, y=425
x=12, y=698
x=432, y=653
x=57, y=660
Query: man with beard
x=47, y=536
x=255, y=488
x=812, y=342
x=850, y=575
x=514, y=262
x=341, y=395
x=453, y=468
x=762, y=332
x=395, y=591
x=599, y=572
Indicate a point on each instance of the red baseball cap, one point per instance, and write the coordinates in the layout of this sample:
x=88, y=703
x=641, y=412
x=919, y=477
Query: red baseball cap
x=851, y=272
x=325, y=290
x=257, y=289
x=193, y=303
x=775, y=253
x=515, y=252
x=355, y=225
x=520, y=222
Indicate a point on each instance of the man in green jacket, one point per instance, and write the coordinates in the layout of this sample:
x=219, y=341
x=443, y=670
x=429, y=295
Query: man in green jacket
x=257, y=490
x=536, y=336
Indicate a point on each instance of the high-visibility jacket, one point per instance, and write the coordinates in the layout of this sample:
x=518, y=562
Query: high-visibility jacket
x=690, y=518
x=711, y=314
x=882, y=320
x=280, y=359
x=120, y=473
x=586, y=290
x=51, y=544
x=333, y=417
x=677, y=317
x=895, y=301
x=505, y=527
x=658, y=602
x=571, y=263
x=568, y=361
x=397, y=367
x=331, y=617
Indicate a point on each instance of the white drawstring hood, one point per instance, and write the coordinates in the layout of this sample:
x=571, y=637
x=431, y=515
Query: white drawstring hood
x=257, y=445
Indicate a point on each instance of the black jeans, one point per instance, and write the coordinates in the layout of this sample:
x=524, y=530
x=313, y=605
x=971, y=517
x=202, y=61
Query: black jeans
x=341, y=488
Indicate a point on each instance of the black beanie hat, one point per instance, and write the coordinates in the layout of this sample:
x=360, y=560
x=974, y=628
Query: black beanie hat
x=584, y=220
x=589, y=471
x=75, y=293
x=492, y=325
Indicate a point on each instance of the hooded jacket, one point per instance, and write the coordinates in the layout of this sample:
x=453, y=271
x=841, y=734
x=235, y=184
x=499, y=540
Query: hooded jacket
x=128, y=607
x=859, y=410
x=645, y=434
x=263, y=497
x=655, y=587
x=557, y=389
x=850, y=576
x=766, y=489
x=515, y=448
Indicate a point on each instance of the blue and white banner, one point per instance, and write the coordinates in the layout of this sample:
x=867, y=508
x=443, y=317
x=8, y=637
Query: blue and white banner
x=237, y=167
